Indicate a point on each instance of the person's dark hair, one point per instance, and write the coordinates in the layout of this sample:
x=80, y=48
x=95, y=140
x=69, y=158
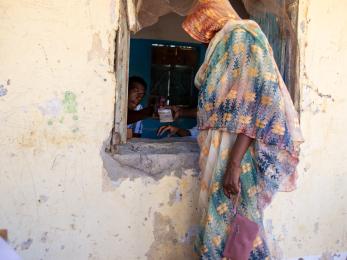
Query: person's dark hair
x=137, y=79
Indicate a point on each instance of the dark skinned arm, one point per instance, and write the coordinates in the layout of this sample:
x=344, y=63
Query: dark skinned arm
x=135, y=116
x=231, y=180
x=183, y=132
x=173, y=131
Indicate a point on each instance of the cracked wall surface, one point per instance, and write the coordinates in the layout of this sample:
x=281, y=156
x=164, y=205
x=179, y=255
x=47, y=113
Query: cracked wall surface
x=152, y=158
x=58, y=200
x=313, y=224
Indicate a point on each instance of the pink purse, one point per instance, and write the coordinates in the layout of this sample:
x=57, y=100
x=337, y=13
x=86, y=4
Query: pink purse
x=239, y=243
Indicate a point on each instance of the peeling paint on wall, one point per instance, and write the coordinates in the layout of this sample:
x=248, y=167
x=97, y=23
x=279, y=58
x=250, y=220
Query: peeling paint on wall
x=26, y=244
x=3, y=91
x=32, y=139
x=175, y=196
x=97, y=51
x=52, y=107
x=191, y=234
x=43, y=199
x=273, y=241
x=44, y=237
x=69, y=102
x=318, y=102
x=167, y=244
x=149, y=158
x=324, y=256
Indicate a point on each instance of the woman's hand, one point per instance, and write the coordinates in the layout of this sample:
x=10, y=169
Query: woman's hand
x=231, y=179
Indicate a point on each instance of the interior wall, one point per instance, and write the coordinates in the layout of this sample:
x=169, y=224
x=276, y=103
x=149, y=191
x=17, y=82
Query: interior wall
x=167, y=28
x=57, y=105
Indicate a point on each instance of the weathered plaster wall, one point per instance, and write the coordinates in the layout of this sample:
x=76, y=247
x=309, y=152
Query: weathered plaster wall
x=56, y=103
x=312, y=221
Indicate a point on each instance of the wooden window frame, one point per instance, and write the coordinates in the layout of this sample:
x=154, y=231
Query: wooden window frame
x=127, y=22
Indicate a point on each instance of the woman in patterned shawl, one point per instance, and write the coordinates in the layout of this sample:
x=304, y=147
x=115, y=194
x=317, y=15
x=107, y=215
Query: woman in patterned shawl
x=250, y=132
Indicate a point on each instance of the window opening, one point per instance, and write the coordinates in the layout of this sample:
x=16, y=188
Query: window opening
x=169, y=68
x=167, y=59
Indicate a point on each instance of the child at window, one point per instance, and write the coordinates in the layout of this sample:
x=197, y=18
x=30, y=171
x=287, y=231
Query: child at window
x=136, y=113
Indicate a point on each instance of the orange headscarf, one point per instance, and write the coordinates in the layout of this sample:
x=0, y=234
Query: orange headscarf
x=208, y=17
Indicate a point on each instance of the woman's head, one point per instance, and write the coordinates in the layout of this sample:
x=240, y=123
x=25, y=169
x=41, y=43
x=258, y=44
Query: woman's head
x=207, y=17
x=136, y=91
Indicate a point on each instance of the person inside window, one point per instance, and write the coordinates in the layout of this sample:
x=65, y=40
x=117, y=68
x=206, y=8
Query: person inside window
x=136, y=113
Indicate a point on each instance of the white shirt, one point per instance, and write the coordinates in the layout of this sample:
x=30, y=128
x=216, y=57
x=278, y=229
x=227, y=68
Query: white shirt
x=194, y=132
x=137, y=126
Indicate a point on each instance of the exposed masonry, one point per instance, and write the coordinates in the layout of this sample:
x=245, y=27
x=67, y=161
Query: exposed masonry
x=151, y=158
x=167, y=243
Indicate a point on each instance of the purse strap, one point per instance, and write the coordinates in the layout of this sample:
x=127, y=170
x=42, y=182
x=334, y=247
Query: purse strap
x=236, y=204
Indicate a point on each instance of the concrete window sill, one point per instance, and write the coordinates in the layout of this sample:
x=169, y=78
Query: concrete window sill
x=152, y=158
